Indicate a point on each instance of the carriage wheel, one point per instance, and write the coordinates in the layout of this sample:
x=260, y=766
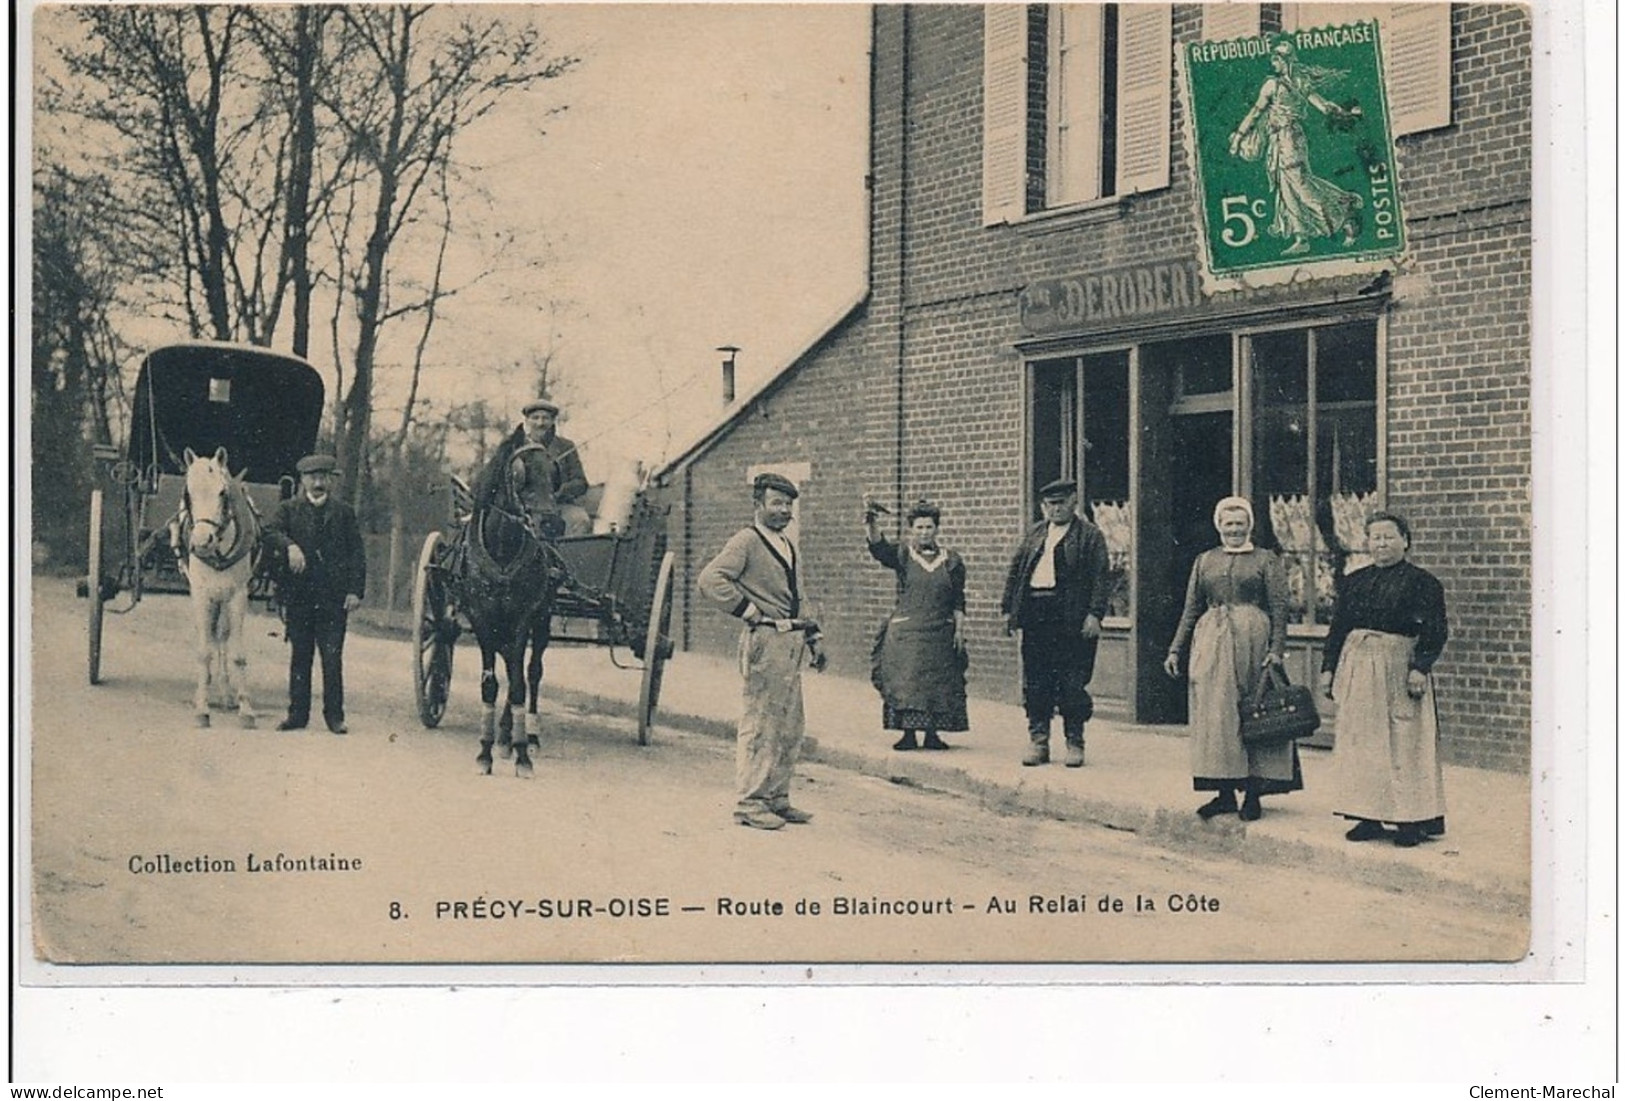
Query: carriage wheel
x=434, y=636
x=657, y=647
x=93, y=590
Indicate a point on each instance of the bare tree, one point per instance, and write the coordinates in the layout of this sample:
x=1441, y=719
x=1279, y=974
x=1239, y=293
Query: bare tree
x=423, y=88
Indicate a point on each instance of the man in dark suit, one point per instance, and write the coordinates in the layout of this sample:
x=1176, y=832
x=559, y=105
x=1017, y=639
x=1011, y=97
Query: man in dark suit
x=1055, y=595
x=552, y=481
x=316, y=538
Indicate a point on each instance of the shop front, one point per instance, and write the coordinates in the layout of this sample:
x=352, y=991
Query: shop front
x=1160, y=399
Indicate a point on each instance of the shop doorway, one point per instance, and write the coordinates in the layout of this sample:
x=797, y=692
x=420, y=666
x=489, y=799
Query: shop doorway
x=1186, y=464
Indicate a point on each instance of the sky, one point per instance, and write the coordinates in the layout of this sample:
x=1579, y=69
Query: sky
x=696, y=180
x=704, y=187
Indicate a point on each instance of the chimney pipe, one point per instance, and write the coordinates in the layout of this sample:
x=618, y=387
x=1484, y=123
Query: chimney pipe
x=728, y=373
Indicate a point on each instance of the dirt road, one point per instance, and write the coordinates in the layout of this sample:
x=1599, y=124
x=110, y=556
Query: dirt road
x=385, y=846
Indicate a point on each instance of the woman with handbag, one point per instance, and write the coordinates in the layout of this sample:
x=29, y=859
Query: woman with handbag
x=919, y=659
x=1235, y=626
x=1388, y=630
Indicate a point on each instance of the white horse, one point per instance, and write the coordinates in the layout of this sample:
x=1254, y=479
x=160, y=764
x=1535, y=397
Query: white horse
x=217, y=533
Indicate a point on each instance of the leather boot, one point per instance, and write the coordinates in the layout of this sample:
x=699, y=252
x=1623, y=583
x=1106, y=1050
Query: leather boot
x=1074, y=746
x=1038, y=743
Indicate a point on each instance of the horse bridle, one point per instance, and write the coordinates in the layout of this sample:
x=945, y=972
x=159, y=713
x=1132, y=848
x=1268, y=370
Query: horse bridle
x=214, y=559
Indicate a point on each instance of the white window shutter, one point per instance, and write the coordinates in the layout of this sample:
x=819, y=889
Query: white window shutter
x=1145, y=80
x=1415, y=55
x=1004, y=113
x=1224, y=21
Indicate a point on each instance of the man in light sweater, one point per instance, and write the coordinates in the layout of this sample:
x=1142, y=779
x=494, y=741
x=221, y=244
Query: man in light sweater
x=754, y=579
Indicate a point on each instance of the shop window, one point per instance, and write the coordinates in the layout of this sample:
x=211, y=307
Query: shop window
x=1105, y=484
x=1077, y=102
x=1080, y=430
x=1314, y=449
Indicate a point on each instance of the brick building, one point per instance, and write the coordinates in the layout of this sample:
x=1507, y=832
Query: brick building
x=1035, y=308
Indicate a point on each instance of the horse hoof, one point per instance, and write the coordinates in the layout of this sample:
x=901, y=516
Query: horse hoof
x=483, y=763
x=248, y=722
x=202, y=720
x=507, y=751
x=524, y=770
x=535, y=742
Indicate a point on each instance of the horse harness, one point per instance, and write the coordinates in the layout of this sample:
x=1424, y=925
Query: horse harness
x=245, y=536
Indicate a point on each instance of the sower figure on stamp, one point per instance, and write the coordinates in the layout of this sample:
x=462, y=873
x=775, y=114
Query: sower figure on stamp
x=317, y=538
x=1055, y=595
x=754, y=579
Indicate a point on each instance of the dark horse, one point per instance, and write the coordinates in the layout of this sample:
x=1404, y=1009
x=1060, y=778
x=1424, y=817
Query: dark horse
x=510, y=579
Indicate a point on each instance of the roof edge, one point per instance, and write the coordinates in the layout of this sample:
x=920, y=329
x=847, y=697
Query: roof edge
x=707, y=439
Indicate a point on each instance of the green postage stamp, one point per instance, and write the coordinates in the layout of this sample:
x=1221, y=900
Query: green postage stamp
x=1294, y=155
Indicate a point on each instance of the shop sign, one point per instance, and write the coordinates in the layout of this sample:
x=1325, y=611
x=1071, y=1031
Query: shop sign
x=1294, y=155
x=1119, y=299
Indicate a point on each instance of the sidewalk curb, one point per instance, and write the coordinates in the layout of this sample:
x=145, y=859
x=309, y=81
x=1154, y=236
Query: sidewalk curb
x=1177, y=831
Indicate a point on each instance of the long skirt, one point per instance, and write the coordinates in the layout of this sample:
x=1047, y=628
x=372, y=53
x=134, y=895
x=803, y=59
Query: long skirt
x=1227, y=659
x=1386, y=762
x=920, y=675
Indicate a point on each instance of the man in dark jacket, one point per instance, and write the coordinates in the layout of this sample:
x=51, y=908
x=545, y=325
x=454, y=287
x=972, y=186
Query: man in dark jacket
x=1055, y=595
x=550, y=481
x=316, y=539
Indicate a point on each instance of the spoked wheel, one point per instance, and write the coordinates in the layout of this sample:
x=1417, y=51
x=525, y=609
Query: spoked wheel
x=93, y=588
x=657, y=647
x=434, y=636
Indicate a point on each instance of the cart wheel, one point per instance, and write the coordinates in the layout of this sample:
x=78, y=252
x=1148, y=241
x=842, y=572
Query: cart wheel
x=656, y=648
x=93, y=590
x=434, y=636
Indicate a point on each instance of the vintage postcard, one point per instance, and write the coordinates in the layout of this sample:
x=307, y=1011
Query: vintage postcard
x=780, y=485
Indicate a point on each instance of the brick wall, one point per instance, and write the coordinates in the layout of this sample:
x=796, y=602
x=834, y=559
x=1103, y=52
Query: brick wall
x=931, y=353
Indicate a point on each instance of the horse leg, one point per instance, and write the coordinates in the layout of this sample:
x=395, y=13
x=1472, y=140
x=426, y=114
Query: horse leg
x=539, y=637
x=488, y=697
x=202, y=616
x=514, y=659
x=236, y=620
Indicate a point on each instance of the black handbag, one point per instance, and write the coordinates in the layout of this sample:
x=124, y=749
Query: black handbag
x=1279, y=711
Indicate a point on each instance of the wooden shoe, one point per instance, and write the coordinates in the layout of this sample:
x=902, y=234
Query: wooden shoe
x=1366, y=830
x=1409, y=836
x=1074, y=754
x=794, y=815
x=1037, y=754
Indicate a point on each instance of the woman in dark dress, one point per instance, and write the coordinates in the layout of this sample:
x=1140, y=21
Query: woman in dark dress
x=1235, y=626
x=919, y=658
x=1388, y=630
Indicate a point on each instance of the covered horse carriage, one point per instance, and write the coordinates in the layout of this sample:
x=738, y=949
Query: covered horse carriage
x=263, y=408
x=614, y=589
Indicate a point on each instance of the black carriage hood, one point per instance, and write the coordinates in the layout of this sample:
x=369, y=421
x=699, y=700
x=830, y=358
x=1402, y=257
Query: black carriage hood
x=263, y=407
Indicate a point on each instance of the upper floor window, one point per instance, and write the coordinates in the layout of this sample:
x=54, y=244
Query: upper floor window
x=1077, y=104
x=1415, y=55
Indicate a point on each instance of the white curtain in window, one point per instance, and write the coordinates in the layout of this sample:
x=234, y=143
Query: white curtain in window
x=1072, y=154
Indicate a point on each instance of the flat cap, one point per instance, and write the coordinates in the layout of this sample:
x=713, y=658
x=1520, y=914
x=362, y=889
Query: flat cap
x=765, y=482
x=1060, y=487
x=317, y=464
x=541, y=404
